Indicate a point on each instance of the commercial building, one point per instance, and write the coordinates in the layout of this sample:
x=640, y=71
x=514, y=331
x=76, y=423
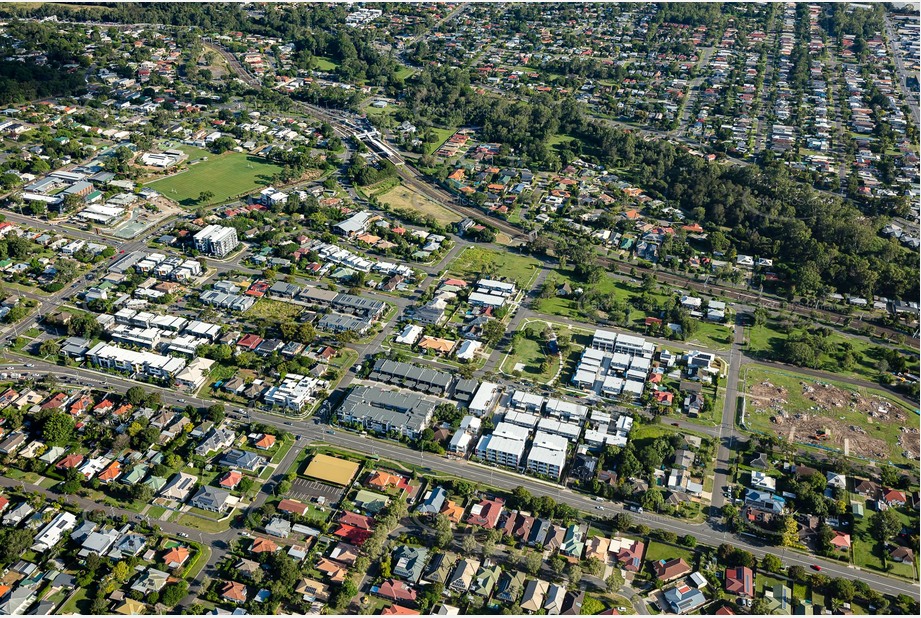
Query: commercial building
x=216, y=240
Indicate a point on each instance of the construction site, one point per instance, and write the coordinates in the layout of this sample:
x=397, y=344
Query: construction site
x=854, y=421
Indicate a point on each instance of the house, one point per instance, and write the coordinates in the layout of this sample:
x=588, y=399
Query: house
x=532, y=600
x=835, y=480
x=231, y=479
x=553, y=602
x=436, y=571
x=463, y=575
x=841, y=541
x=244, y=460
x=312, y=590
x=485, y=580
x=628, y=553
x=234, y=592
x=741, y=581
x=262, y=546
x=893, y=497
x=683, y=599
x=293, y=506
x=151, y=580
x=395, y=590
x=176, y=557
x=867, y=489
x=211, y=499
x=902, y=554
x=409, y=561
x=486, y=513
x=264, y=442
x=395, y=609
x=355, y=520
x=179, y=487
x=278, y=527
x=433, y=501
x=667, y=570
x=510, y=586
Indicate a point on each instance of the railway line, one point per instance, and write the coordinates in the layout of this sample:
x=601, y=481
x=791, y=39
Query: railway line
x=413, y=178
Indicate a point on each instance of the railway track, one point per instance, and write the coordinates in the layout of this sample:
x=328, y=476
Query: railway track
x=414, y=179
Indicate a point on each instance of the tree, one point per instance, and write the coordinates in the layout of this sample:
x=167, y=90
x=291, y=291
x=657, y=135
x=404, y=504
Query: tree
x=842, y=589
x=443, y=532
x=136, y=396
x=13, y=542
x=121, y=571
x=204, y=196
x=884, y=525
x=789, y=532
x=58, y=428
x=575, y=574
x=621, y=522
x=760, y=607
x=557, y=564
x=531, y=562
x=771, y=563
x=469, y=545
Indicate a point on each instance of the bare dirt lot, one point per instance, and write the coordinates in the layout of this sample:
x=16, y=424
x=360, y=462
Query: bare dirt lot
x=855, y=421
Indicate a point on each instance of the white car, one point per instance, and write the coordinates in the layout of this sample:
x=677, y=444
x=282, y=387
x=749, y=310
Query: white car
x=184, y=535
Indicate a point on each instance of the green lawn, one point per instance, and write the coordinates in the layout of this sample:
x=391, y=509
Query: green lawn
x=443, y=135
x=840, y=419
x=766, y=341
x=474, y=262
x=324, y=64
x=76, y=604
x=864, y=546
x=228, y=175
x=661, y=551
x=205, y=525
x=530, y=350
x=155, y=512
x=274, y=310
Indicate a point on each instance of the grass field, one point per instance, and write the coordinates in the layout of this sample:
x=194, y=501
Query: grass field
x=324, y=64
x=766, y=341
x=474, y=262
x=205, y=525
x=840, y=408
x=226, y=176
x=661, y=551
x=530, y=352
x=274, y=310
x=403, y=198
x=443, y=135
x=863, y=546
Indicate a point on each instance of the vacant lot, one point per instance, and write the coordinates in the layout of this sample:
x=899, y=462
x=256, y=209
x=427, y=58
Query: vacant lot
x=474, y=262
x=528, y=353
x=275, y=310
x=858, y=421
x=403, y=198
x=225, y=176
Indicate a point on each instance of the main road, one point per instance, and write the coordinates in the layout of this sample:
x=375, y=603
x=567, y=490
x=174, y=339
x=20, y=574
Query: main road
x=309, y=432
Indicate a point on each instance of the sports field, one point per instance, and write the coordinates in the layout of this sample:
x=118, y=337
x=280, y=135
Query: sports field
x=226, y=176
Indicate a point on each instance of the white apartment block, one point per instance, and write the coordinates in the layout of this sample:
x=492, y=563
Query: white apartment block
x=548, y=454
x=294, y=392
x=156, y=365
x=505, y=445
x=216, y=240
x=52, y=534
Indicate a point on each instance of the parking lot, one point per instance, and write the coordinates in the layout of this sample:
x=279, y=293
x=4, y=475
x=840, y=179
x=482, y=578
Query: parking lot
x=306, y=491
